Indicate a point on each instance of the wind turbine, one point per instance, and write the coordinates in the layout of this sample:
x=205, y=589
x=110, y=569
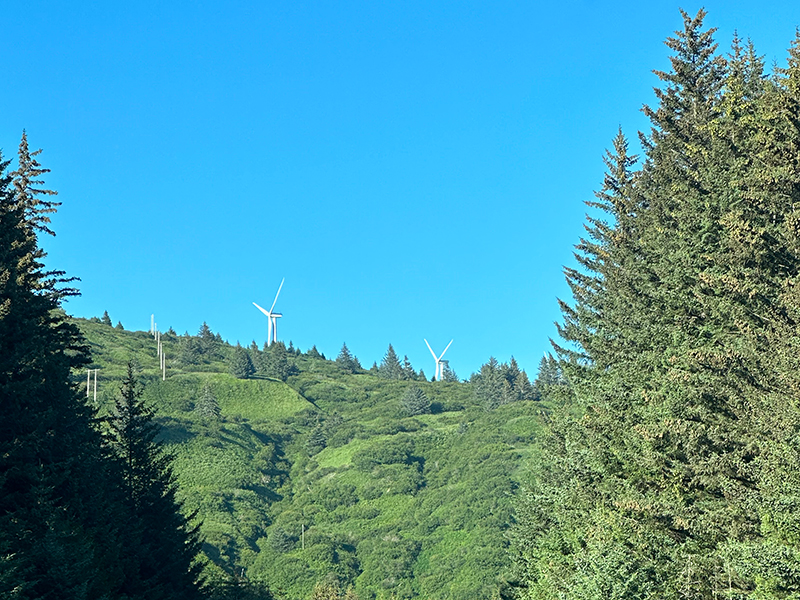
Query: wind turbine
x=439, y=362
x=272, y=323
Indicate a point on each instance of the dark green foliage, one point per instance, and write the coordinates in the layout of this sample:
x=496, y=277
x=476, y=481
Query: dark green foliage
x=162, y=560
x=408, y=370
x=346, y=361
x=241, y=366
x=314, y=353
x=105, y=319
x=55, y=538
x=119, y=325
x=316, y=441
x=496, y=384
x=415, y=402
x=189, y=350
x=671, y=470
x=390, y=367
x=275, y=362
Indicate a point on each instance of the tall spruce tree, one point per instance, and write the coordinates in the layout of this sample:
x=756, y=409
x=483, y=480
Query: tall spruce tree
x=162, y=563
x=676, y=477
x=59, y=507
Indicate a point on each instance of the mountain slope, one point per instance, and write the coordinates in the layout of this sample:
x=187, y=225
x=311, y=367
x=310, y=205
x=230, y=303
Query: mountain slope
x=325, y=476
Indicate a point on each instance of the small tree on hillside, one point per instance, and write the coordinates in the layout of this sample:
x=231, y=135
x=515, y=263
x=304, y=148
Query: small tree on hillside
x=415, y=402
x=207, y=406
x=408, y=370
x=390, y=365
x=346, y=361
x=241, y=365
x=488, y=384
x=448, y=374
x=105, y=319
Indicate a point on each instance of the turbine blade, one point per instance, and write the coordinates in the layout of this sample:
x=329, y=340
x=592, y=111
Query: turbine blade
x=278, y=294
x=261, y=309
x=445, y=350
x=429, y=348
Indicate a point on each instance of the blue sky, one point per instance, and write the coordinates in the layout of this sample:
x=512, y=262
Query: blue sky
x=413, y=169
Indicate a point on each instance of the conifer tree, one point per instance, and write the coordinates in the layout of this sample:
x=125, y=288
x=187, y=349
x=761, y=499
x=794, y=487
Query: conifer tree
x=390, y=367
x=347, y=361
x=162, y=561
x=415, y=401
x=408, y=370
x=59, y=505
x=207, y=405
x=448, y=374
x=666, y=482
x=105, y=319
x=241, y=365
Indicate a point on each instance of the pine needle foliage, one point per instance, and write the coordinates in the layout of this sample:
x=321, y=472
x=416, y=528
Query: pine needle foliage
x=672, y=470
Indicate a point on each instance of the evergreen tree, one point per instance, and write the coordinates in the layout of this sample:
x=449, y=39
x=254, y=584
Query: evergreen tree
x=105, y=319
x=119, y=326
x=59, y=505
x=415, y=401
x=241, y=365
x=316, y=441
x=346, y=361
x=162, y=562
x=448, y=374
x=189, y=350
x=390, y=367
x=275, y=362
x=488, y=384
x=314, y=353
x=207, y=342
x=207, y=405
x=408, y=370
x=670, y=471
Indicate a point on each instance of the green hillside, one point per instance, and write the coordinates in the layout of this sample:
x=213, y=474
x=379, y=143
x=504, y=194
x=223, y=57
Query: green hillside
x=326, y=477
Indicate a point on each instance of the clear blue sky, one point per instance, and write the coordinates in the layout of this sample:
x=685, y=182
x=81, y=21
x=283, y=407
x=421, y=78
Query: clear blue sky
x=413, y=169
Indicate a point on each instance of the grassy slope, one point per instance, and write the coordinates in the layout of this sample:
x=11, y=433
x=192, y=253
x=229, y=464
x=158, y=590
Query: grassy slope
x=410, y=506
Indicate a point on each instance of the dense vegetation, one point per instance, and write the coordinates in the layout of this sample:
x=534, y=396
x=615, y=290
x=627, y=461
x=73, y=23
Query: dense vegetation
x=673, y=468
x=377, y=481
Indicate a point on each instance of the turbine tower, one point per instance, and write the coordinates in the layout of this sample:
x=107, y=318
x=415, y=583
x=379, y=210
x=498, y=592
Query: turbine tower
x=439, y=362
x=272, y=318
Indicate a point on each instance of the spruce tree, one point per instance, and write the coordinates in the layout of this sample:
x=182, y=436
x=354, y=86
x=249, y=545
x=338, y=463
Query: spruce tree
x=670, y=470
x=59, y=505
x=207, y=406
x=241, y=366
x=390, y=367
x=163, y=560
x=105, y=319
x=415, y=401
x=488, y=384
x=346, y=361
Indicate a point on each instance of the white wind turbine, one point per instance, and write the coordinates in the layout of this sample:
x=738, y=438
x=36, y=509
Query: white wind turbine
x=272, y=323
x=439, y=362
